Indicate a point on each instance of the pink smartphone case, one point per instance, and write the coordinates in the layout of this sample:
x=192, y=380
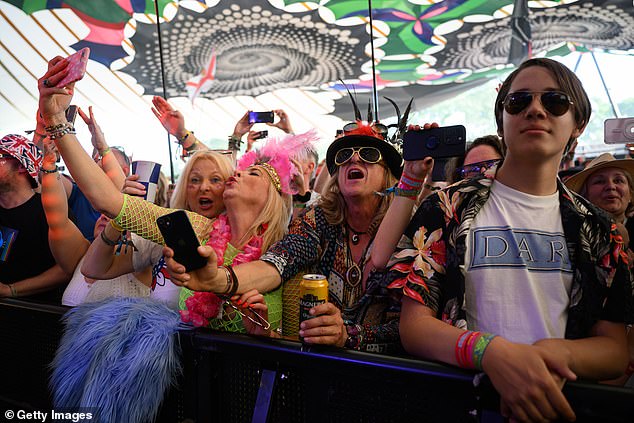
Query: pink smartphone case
x=77, y=64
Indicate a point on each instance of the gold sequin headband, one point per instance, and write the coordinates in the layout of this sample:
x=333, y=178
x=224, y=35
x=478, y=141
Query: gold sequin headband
x=273, y=176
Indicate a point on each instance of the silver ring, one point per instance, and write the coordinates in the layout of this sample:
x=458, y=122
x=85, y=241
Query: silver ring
x=46, y=83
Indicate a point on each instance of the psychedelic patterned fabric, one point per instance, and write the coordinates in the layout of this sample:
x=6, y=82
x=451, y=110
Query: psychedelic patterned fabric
x=429, y=261
x=314, y=246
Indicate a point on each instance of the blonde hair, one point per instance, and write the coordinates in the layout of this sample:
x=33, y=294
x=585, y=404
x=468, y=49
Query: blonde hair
x=179, y=196
x=334, y=206
x=161, y=191
x=275, y=216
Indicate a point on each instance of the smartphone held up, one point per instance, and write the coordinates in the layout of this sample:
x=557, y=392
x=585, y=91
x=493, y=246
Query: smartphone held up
x=618, y=131
x=261, y=117
x=76, y=67
x=439, y=143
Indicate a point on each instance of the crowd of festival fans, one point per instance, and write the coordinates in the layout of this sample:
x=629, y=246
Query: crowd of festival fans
x=501, y=268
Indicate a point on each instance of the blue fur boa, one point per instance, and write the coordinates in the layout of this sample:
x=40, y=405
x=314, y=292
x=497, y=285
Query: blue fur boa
x=117, y=356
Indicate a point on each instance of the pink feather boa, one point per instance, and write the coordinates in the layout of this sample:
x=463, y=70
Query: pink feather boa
x=203, y=306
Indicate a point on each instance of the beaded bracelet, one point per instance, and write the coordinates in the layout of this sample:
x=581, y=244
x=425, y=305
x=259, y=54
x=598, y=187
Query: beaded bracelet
x=234, y=142
x=58, y=131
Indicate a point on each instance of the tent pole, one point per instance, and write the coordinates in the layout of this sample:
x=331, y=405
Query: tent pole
x=160, y=42
x=605, y=87
x=375, y=96
x=578, y=62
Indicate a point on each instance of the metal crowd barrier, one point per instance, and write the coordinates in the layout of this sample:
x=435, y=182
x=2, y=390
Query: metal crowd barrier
x=235, y=378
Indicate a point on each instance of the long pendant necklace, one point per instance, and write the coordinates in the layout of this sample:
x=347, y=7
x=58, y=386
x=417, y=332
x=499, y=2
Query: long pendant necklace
x=354, y=274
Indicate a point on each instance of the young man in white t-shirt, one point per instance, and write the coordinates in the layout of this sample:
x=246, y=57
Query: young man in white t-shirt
x=512, y=274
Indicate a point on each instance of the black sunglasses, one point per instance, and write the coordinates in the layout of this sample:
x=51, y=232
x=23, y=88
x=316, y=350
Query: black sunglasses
x=367, y=154
x=556, y=103
x=475, y=169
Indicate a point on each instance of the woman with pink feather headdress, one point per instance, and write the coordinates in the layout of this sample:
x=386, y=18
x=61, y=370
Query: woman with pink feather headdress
x=258, y=201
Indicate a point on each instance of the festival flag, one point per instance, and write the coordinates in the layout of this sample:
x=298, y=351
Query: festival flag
x=202, y=83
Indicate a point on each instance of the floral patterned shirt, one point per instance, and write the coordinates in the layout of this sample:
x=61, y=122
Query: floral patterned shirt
x=314, y=246
x=428, y=265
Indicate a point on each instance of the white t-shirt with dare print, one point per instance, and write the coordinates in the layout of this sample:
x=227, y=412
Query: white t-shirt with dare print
x=518, y=271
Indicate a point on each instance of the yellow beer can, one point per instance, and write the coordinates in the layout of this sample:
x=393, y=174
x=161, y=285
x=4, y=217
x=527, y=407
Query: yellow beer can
x=313, y=290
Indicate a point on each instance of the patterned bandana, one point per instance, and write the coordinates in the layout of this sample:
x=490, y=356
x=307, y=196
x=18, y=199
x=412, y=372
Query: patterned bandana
x=24, y=151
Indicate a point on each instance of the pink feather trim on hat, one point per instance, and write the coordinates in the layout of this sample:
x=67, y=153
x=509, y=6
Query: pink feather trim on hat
x=278, y=152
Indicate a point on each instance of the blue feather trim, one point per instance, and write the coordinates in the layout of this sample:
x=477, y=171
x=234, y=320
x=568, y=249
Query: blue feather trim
x=119, y=356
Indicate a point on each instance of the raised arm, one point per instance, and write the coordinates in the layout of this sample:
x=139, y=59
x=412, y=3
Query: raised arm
x=65, y=240
x=110, y=164
x=174, y=122
x=399, y=213
x=53, y=101
x=415, y=178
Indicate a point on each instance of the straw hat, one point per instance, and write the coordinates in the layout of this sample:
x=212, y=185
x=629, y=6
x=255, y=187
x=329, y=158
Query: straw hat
x=576, y=181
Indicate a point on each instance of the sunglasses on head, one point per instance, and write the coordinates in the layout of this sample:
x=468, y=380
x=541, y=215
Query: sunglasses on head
x=556, y=103
x=367, y=154
x=378, y=128
x=475, y=169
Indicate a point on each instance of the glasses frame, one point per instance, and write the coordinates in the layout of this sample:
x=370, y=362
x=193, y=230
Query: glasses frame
x=545, y=105
x=358, y=151
x=486, y=164
x=261, y=321
x=378, y=128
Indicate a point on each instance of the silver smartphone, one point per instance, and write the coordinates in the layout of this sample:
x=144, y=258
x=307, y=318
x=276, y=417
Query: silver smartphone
x=618, y=131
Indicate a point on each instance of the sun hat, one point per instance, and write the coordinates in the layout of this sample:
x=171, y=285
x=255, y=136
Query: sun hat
x=603, y=161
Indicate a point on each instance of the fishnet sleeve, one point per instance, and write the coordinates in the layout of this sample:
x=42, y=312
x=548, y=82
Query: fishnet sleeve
x=139, y=216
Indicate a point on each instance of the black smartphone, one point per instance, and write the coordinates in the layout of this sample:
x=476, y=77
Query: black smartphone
x=71, y=114
x=440, y=143
x=261, y=117
x=618, y=131
x=262, y=134
x=179, y=235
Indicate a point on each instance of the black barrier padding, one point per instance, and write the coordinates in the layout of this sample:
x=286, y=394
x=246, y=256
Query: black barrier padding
x=221, y=379
x=30, y=335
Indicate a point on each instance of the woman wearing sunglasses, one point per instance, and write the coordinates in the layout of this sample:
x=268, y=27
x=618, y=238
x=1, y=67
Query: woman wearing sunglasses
x=335, y=238
x=482, y=154
x=513, y=274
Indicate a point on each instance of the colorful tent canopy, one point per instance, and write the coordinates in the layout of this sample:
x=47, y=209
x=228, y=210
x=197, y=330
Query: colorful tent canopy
x=278, y=54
